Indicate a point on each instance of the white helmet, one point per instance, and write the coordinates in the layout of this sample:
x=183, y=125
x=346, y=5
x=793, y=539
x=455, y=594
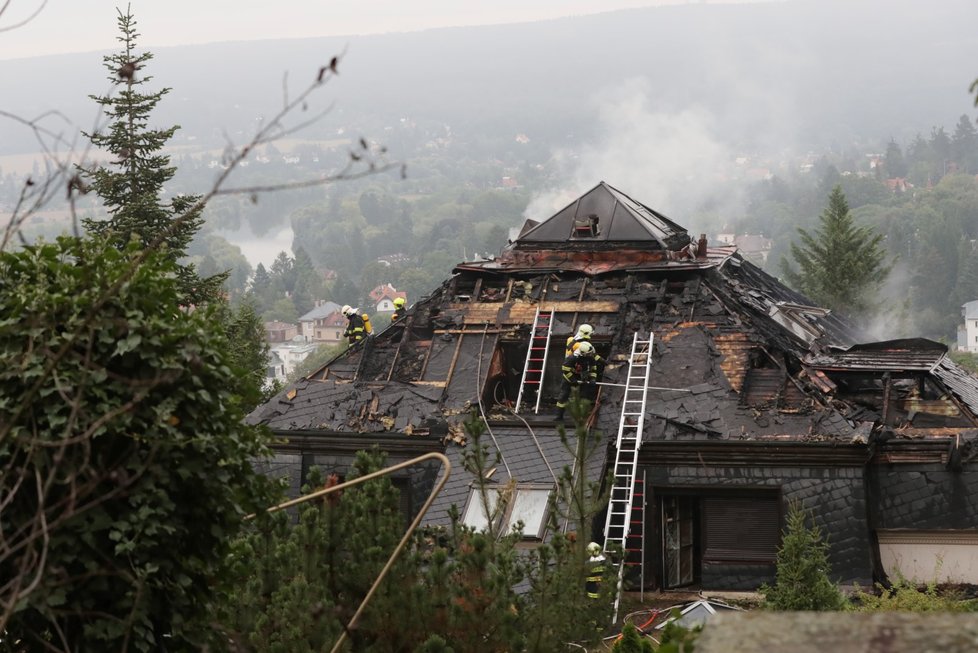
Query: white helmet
x=593, y=548
x=584, y=349
x=584, y=331
x=346, y=310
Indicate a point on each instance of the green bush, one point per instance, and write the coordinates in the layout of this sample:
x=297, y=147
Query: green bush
x=125, y=466
x=802, y=581
x=906, y=596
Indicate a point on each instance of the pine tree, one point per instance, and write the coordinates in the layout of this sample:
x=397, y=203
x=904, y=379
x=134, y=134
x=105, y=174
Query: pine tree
x=964, y=145
x=841, y=265
x=132, y=184
x=802, y=579
x=896, y=166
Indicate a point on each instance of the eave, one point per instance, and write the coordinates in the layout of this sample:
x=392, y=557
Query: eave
x=743, y=453
x=330, y=442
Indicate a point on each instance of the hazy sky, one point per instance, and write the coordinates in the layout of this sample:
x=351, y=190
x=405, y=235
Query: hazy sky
x=84, y=25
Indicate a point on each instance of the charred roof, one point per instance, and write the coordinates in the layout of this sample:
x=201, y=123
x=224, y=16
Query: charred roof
x=749, y=358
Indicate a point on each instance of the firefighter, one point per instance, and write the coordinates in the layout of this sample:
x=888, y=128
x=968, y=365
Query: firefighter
x=595, y=570
x=583, y=335
x=399, y=310
x=579, y=370
x=357, y=324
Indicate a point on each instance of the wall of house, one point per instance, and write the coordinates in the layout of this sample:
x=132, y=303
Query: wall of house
x=923, y=496
x=836, y=496
x=925, y=516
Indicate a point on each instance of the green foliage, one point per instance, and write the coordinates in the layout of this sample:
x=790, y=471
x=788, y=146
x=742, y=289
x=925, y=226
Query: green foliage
x=841, y=266
x=632, y=642
x=966, y=360
x=298, y=585
x=247, y=350
x=455, y=589
x=802, y=581
x=906, y=596
x=132, y=185
x=125, y=465
x=677, y=639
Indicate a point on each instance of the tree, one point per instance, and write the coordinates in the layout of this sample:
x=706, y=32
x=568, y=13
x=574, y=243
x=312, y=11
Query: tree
x=247, y=349
x=842, y=265
x=455, y=589
x=895, y=164
x=802, y=577
x=964, y=145
x=132, y=186
x=125, y=465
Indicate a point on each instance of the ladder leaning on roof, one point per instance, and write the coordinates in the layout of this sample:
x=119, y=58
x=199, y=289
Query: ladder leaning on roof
x=620, y=504
x=536, y=358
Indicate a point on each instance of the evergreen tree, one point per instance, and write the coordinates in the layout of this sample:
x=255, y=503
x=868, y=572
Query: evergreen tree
x=284, y=274
x=132, y=185
x=940, y=148
x=802, y=580
x=895, y=164
x=964, y=145
x=841, y=265
x=248, y=351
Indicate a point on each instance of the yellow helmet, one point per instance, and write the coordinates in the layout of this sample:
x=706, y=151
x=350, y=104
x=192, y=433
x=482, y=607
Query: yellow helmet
x=593, y=548
x=585, y=331
x=399, y=302
x=584, y=348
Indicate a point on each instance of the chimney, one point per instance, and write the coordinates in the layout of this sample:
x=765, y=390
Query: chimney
x=701, y=247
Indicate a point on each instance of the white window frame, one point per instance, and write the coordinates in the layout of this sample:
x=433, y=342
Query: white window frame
x=523, y=499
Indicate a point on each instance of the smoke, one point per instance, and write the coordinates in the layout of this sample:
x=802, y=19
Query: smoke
x=894, y=319
x=669, y=161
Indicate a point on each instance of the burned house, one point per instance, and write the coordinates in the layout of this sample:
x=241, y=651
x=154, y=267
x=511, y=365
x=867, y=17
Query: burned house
x=750, y=399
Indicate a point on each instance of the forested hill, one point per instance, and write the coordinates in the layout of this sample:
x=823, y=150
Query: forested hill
x=818, y=72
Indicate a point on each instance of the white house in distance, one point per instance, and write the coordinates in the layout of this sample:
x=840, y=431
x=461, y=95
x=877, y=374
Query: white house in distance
x=968, y=332
x=383, y=297
x=284, y=357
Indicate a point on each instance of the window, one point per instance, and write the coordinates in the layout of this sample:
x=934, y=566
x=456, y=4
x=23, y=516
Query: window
x=741, y=529
x=526, y=503
x=586, y=227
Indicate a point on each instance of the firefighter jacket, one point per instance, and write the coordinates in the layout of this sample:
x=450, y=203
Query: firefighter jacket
x=399, y=314
x=579, y=369
x=595, y=574
x=356, y=328
x=573, y=343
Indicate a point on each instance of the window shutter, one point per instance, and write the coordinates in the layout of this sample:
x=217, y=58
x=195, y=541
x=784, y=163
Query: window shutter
x=741, y=529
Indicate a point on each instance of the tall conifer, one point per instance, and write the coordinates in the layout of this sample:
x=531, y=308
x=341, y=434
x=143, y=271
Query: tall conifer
x=132, y=184
x=841, y=266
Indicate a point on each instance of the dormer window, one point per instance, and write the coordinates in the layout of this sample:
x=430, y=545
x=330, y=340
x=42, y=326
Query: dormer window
x=586, y=227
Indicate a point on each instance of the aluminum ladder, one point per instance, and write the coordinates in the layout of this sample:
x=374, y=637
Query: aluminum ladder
x=536, y=358
x=620, y=504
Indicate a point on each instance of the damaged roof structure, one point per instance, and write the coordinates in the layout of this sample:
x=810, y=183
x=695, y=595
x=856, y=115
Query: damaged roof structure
x=771, y=401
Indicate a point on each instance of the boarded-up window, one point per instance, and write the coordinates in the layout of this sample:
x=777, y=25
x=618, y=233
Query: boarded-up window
x=741, y=529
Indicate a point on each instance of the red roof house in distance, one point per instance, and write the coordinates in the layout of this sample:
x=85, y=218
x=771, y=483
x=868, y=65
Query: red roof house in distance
x=383, y=297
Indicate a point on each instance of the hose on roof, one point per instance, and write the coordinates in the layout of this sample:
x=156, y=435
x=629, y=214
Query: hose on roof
x=480, y=386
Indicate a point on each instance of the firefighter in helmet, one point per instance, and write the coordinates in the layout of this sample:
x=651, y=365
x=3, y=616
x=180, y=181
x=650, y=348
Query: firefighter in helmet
x=595, y=570
x=357, y=324
x=578, y=370
x=399, y=309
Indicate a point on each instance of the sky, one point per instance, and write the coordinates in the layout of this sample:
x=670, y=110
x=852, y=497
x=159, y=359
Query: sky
x=66, y=26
